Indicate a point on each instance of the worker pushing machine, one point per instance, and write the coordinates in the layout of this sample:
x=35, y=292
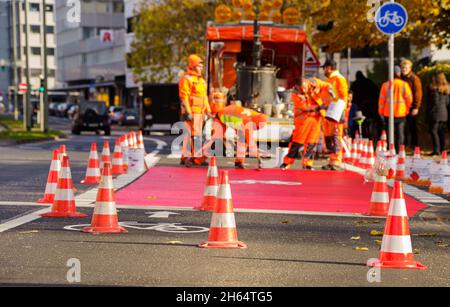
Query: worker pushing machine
x=333, y=129
x=194, y=106
x=244, y=121
x=309, y=110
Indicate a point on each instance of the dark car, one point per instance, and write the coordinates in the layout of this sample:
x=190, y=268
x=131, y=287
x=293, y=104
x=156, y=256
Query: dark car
x=91, y=115
x=129, y=118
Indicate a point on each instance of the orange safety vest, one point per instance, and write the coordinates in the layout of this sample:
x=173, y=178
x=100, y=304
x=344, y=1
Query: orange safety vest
x=192, y=88
x=402, y=99
x=339, y=86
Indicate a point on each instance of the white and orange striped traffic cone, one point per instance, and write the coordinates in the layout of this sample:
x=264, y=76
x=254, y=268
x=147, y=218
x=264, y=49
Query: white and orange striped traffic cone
x=223, y=232
x=64, y=202
x=370, y=160
x=396, y=249
x=363, y=159
x=354, y=152
x=140, y=141
x=106, y=154
x=211, y=188
x=379, y=152
x=347, y=153
x=383, y=140
x=62, y=151
x=417, y=153
x=93, y=167
x=135, y=141
x=117, y=160
x=52, y=179
x=379, y=200
x=400, y=171
x=104, y=219
x=360, y=152
x=130, y=141
x=437, y=186
x=392, y=151
x=124, y=144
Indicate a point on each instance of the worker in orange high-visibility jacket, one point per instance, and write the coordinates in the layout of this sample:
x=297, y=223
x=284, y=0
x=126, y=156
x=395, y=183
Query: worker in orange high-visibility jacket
x=244, y=121
x=403, y=99
x=333, y=132
x=308, y=113
x=194, y=106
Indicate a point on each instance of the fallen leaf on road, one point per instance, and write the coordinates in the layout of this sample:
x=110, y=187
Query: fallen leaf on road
x=430, y=234
x=364, y=223
x=378, y=241
x=361, y=248
x=151, y=197
x=355, y=238
x=284, y=222
x=442, y=244
x=31, y=231
x=416, y=252
x=376, y=233
x=174, y=242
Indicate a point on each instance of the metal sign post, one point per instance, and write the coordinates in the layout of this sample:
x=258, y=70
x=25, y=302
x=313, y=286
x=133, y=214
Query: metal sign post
x=390, y=19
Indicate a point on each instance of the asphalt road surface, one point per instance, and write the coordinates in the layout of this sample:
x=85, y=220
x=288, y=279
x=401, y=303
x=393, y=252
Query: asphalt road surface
x=162, y=250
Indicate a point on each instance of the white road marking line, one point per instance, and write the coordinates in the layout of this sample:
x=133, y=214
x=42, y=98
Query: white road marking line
x=15, y=222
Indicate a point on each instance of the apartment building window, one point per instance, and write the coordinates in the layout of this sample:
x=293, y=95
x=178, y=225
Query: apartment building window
x=50, y=51
x=50, y=29
x=35, y=73
x=35, y=50
x=35, y=29
x=49, y=8
x=51, y=73
x=35, y=7
x=130, y=24
x=118, y=7
x=88, y=32
x=101, y=7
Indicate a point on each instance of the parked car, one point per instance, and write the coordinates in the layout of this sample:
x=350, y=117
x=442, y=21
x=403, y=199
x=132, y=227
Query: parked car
x=115, y=113
x=91, y=115
x=129, y=118
x=53, y=108
x=63, y=108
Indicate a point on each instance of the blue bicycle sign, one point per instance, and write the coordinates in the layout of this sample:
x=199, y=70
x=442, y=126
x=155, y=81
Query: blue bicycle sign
x=391, y=18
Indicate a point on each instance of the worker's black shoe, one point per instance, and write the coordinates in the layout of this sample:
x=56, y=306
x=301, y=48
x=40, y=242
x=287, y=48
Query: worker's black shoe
x=336, y=168
x=182, y=162
x=307, y=168
x=285, y=166
x=188, y=163
x=327, y=167
x=239, y=165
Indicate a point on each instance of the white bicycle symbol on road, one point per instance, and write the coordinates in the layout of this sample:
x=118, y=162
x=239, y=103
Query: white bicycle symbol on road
x=163, y=227
x=389, y=18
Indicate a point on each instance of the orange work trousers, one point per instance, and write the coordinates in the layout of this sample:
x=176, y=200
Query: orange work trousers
x=306, y=132
x=333, y=133
x=192, y=140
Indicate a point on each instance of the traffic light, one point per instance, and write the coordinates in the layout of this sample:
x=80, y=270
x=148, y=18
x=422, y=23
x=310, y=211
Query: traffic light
x=2, y=65
x=42, y=86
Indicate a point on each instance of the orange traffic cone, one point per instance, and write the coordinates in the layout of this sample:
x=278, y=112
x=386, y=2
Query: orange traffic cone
x=354, y=153
x=396, y=250
x=130, y=140
x=383, y=140
x=370, y=159
x=392, y=151
x=52, y=179
x=379, y=201
x=117, y=161
x=140, y=141
x=400, y=172
x=380, y=150
x=443, y=169
x=135, y=142
x=93, y=168
x=106, y=154
x=211, y=188
x=223, y=232
x=347, y=153
x=64, y=202
x=417, y=152
x=62, y=151
x=363, y=159
x=124, y=144
x=104, y=219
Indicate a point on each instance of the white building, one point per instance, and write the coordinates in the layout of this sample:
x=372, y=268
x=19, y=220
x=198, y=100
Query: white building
x=36, y=30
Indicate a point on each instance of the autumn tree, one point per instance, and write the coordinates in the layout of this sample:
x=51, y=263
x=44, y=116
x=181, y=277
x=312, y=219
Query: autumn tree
x=166, y=32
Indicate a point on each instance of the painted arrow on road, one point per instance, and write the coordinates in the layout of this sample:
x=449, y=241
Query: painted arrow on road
x=160, y=214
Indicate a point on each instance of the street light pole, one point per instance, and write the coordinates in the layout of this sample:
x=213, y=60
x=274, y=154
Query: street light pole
x=391, y=87
x=14, y=61
x=27, y=116
x=44, y=95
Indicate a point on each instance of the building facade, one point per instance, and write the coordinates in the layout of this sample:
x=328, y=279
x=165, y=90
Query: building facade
x=91, y=50
x=35, y=25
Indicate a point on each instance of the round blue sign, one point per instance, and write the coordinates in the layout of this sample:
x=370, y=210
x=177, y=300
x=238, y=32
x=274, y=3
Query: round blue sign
x=391, y=18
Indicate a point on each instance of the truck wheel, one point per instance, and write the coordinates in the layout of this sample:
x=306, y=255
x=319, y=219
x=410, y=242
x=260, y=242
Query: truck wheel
x=108, y=131
x=75, y=131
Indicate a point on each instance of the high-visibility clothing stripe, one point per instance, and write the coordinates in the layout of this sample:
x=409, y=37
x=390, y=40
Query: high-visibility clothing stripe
x=397, y=208
x=211, y=190
x=396, y=244
x=381, y=197
x=105, y=207
x=397, y=226
x=223, y=220
x=222, y=234
x=64, y=195
x=224, y=192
